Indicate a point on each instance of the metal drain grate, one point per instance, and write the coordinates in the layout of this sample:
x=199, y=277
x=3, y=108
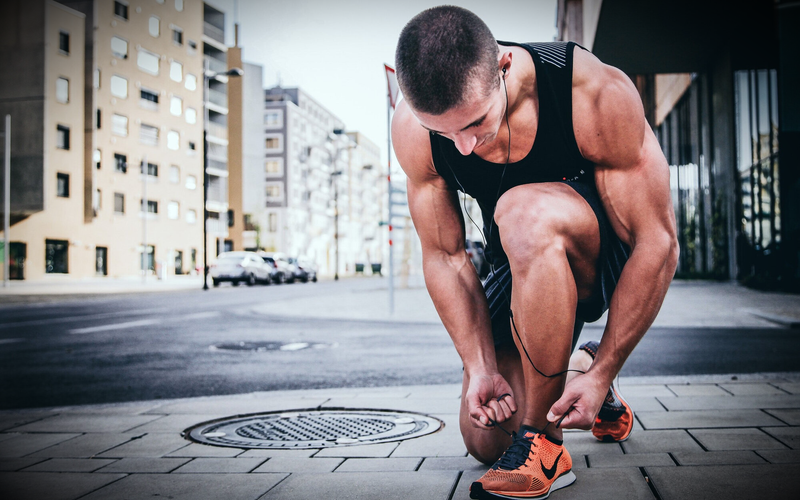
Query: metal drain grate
x=313, y=429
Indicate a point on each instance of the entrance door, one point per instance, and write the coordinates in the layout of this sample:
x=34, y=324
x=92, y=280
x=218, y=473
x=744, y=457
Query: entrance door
x=101, y=261
x=178, y=262
x=16, y=264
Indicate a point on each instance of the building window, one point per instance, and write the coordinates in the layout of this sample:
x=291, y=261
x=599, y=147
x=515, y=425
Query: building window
x=119, y=125
x=173, y=210
x=119, y=86
x=192, y=146
x=148, y=99
x=119, y=47
x=97, y=120
x=191, y=47
x=147, y=61
x=62, y=137
x=62, y=90
x=191, y=82
x=173, y=140
x=174, y=174
x=97, y=157
x=119, y=203
x=152, y=206
x=176, y=106
x=273, y=223
x=191, y=216
x=62, y=188
x=97, y=201
x=179, y=5
x=101, y=261
x=121, y=10
x=177, y=36
x=273, y=191
x=96, y=78
x=120, y=163
x=191, y=116
x=148, y=261
x=63, y=42
x=273, y=143
x=148, y=135
x=152, y=169
x=55, y=256
x=273, y=167
x=153, y=26
x=176, y=71
x=191, y=182
x=273, y=118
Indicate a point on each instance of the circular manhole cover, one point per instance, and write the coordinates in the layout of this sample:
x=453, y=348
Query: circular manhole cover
x=267, y=346
x=313, y=429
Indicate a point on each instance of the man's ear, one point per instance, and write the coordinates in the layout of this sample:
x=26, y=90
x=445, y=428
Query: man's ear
x=504, y=62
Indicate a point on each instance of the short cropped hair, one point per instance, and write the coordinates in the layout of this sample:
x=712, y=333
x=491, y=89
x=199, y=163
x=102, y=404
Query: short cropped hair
x=442, y=52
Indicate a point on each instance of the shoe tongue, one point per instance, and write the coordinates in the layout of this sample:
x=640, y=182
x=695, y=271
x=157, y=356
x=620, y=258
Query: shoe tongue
x=528, y=432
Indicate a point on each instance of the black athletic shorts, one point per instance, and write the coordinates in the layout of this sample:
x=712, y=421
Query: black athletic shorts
x=613, y=255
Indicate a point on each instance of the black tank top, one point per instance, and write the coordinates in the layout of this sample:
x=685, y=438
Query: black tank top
x=554, y=156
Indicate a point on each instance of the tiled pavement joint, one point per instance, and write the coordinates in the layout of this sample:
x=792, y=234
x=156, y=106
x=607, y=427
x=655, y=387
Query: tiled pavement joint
x=650, y=484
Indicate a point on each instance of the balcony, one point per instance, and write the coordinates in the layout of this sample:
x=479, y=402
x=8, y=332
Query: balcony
x=213, y=32
x=217, y=130
x=217, y=164
x=218, y=98
x=215, y=65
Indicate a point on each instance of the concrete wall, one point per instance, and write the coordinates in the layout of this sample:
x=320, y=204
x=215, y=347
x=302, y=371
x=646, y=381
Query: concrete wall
x=235, y=144
x=669, y=89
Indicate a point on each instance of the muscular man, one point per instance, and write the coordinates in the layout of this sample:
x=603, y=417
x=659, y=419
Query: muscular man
x=574, y=191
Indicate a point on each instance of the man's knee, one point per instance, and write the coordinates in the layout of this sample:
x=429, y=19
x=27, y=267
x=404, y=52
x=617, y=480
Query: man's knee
x=484, y=447
x=529, y=223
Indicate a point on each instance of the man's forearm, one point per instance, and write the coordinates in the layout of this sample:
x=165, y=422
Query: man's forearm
x=459, y=299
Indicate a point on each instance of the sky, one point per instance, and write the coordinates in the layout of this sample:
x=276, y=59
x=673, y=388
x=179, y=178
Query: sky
x=335, y=49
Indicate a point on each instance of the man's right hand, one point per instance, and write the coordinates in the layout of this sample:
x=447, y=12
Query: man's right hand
x=489, y=397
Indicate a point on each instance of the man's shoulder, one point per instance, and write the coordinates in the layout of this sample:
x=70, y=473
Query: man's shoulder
x=412, y=144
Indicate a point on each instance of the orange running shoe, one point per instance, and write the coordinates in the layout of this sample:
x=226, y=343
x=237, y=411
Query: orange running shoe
x=532, y=467
x=614, y=422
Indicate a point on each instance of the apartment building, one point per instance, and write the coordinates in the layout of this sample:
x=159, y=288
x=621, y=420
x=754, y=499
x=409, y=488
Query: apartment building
x=107, y=106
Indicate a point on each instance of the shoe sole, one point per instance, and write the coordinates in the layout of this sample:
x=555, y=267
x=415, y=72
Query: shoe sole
x=477, y=492
x=610, y=439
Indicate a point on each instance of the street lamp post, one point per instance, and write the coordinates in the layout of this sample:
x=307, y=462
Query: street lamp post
x=207, y=76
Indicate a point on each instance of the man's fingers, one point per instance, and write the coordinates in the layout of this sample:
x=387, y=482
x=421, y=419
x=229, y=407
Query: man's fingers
x=561, y=407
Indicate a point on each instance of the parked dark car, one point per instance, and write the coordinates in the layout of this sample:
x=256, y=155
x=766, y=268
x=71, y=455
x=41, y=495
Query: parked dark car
x=307, y=267
x=478, y=258
x=279, y=262
x=240, y=267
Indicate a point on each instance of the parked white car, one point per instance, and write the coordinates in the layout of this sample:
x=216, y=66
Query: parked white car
x=240, y=267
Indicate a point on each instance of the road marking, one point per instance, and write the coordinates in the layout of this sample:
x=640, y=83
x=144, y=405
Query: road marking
x=114, y=326
x=202, y=315
x=295, y=346
x=10, y=341
x=68, y=319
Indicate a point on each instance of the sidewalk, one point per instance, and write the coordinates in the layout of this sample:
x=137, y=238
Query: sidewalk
x=63, y=286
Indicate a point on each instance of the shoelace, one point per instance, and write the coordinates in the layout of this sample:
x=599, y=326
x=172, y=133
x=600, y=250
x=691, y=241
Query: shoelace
x=517, y=454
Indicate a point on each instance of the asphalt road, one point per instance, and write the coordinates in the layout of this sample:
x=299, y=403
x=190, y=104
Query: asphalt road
x=132, y=347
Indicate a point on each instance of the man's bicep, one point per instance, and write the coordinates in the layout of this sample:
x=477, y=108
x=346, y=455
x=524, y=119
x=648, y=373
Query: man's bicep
x=436, y=215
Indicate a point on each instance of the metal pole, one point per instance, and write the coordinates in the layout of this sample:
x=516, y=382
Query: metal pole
x=144, y=220
x=205, y=175
x=7, y=202
x=336, y=222
x=389, y=191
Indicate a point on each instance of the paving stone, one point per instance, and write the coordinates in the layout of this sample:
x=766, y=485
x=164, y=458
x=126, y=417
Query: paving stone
x=584, y=443
x=629, y=460
x=14, y=464
x=704, y=390
x=202, y=450
x=453, y=463
x=51, y=485
x=735, y=439
x=86, y=423
x=85, y=446
x=431, y=485
x=144, y=465
x=12, y=419
x=70, y=465
x=791, y=387
x=366, y=451
x=267, y=453
x=188, y=486
x=710, y=418
x=660, y=441
x=4, y=436
x=643, y=403
x=731, y=402
x=465, y=481
x=378, y=464
x=444, y=443
x=176, y=423
x=300, y=465
x=220, y=465
x=645, y=390
x=150, y=445
x=237, y=406
x=25, y=444
x=739, y=457
x=791, y=417
x=732, y=482
x=790, y=436
x=744, y=389
x=781, y=456
x=427, y=405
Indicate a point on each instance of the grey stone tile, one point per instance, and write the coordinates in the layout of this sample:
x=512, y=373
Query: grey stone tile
x=790, y=436
x=11, y=419
x=660, y=441
x=238, y=406
x=731, y=402
x=738, y=482
x=465, y=481
x=70, y=465
x=606, y=484
x=52, y=485
x=85, y=446
x=25, y=444
x=453, y=463
x=4, y=436
x=643, y=403
x=445, y=443
x=433, y=485
x=710, y=418
x=131, y=408
x=300, y=465
x=739, y=457
x=202, y=450
x=87, y=423
x=267, y=453
x=175, y=423
x=366, y=451
x=584, y=443
x=745, y=389
x=150, y=445
x=735, y=439
x=629, y=460
x=220, y=465
x=14, y=464
x=704, y=390
x=144, y=465
x=188, y=486
x=791, y=417
x=426, y=405
x=781, y=456
x=378, y=464
x=791, y=387
x=645, y=390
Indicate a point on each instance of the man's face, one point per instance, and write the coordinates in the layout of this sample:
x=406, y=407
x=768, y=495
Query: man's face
x=473, y=125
